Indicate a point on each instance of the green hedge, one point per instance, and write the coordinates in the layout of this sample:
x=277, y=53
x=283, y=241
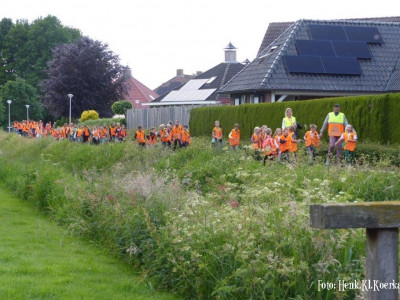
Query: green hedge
x=373, y=116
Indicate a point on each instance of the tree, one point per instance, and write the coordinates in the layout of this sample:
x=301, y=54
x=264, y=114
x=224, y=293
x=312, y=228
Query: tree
x=20, y=93
x=89, y=71
x=26, y=48
x=120, y=107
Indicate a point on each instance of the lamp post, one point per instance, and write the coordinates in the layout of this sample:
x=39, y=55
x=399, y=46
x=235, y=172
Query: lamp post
x=70, y=97
x=27, y=112
x=9, y=116
x=137, y=103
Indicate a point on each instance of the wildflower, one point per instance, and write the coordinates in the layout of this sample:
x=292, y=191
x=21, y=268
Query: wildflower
x=343, y=179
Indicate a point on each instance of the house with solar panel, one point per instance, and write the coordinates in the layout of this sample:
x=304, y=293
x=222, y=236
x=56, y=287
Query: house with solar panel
x=204, y=89
x=311, y=59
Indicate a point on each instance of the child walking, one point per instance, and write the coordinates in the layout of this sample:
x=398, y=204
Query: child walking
x=312, y=139
x=269, y=145
x=350, y=139
x=234, y=137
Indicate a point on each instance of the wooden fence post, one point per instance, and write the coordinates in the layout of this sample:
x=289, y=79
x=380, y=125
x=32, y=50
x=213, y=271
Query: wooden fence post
x=381, y=220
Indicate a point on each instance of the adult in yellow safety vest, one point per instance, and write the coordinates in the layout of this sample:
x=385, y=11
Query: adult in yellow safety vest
x=288, y=120
x=336, y=123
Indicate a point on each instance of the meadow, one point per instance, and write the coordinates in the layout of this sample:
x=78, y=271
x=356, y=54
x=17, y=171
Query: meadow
x=201, y=222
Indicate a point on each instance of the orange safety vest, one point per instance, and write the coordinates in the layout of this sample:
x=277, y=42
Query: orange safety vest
x=256, y=141
x=163, y=132
x=293, y=146
x=86, y=132
x=176, y=132
x=335, y=124
x=152, y=139
x=269, y=146
x=96, y=133
x=169, y=138
x=122, y=133
x=113, y=131
x=185, y=136
x=287, y=145
x=79, y=132
x=350, y=146
x=234, y=139
x=217, y=132
x=140, y=137
x=312, y=139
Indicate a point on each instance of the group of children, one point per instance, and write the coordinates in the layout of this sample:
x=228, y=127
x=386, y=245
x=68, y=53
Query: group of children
x=282, y=145
x=169, y=135
x=73, y=132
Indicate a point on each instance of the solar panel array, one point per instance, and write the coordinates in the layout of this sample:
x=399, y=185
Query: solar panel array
x=333, y=50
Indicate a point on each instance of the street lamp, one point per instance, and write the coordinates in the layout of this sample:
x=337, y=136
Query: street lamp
x=9, y=116
x=137, y=103
x=70, y=97
x=27, y=112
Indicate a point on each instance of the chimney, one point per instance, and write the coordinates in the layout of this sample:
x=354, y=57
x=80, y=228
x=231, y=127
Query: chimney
x=179, y=72
x=230, y=53
x=198, y=73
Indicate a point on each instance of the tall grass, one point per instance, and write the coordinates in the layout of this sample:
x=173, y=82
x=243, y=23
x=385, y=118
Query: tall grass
x=201, y=222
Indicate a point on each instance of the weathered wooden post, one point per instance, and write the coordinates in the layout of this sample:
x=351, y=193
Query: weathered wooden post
x=382, y=222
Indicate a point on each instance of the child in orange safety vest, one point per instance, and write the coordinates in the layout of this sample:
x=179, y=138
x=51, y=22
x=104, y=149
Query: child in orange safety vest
x=140, y=137
x=176, y=134
x=294, y=141
x=312, y=139
x=269, y=146
x=349, y=137
x=256, y=142
x=113, y=132
x=86, y=134
x=163, y=133
x=234, y=137
x=285, y=143
x=216, y=139
x=277, y=135
x=122, y=133
x=185, y=137
x=152, y=137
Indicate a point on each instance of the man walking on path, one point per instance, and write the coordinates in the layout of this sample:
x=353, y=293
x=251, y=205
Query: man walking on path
x=336, y=122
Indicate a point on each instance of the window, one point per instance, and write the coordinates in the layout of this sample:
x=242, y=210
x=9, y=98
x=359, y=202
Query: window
x=243, y=99
x=211, y=80
x=256, y=99
x=251, y=98
x=236, y=101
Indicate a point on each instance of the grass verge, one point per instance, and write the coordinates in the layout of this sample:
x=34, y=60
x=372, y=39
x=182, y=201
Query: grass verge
x=39, y=260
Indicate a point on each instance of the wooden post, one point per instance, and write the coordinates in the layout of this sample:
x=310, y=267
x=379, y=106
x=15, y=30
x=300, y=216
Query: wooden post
x=381, y=220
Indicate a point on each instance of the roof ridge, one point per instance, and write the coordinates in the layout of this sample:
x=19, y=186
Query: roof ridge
x=295, y=26
x=233, y=77
x=391, y=74
x=273, y=42
x=224, y=76
x=352, y=21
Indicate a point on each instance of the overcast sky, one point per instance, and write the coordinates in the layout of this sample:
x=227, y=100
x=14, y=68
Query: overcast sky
x=156, y=37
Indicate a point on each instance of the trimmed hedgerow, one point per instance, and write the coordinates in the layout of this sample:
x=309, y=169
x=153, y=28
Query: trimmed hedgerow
x=373, y=116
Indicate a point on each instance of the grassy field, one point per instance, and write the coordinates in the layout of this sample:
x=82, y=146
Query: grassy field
x=205, y=223
x=39, y=260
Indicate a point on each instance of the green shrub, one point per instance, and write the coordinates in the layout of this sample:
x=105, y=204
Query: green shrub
x=120, y=107
x=374, y=117
x=89, y=115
